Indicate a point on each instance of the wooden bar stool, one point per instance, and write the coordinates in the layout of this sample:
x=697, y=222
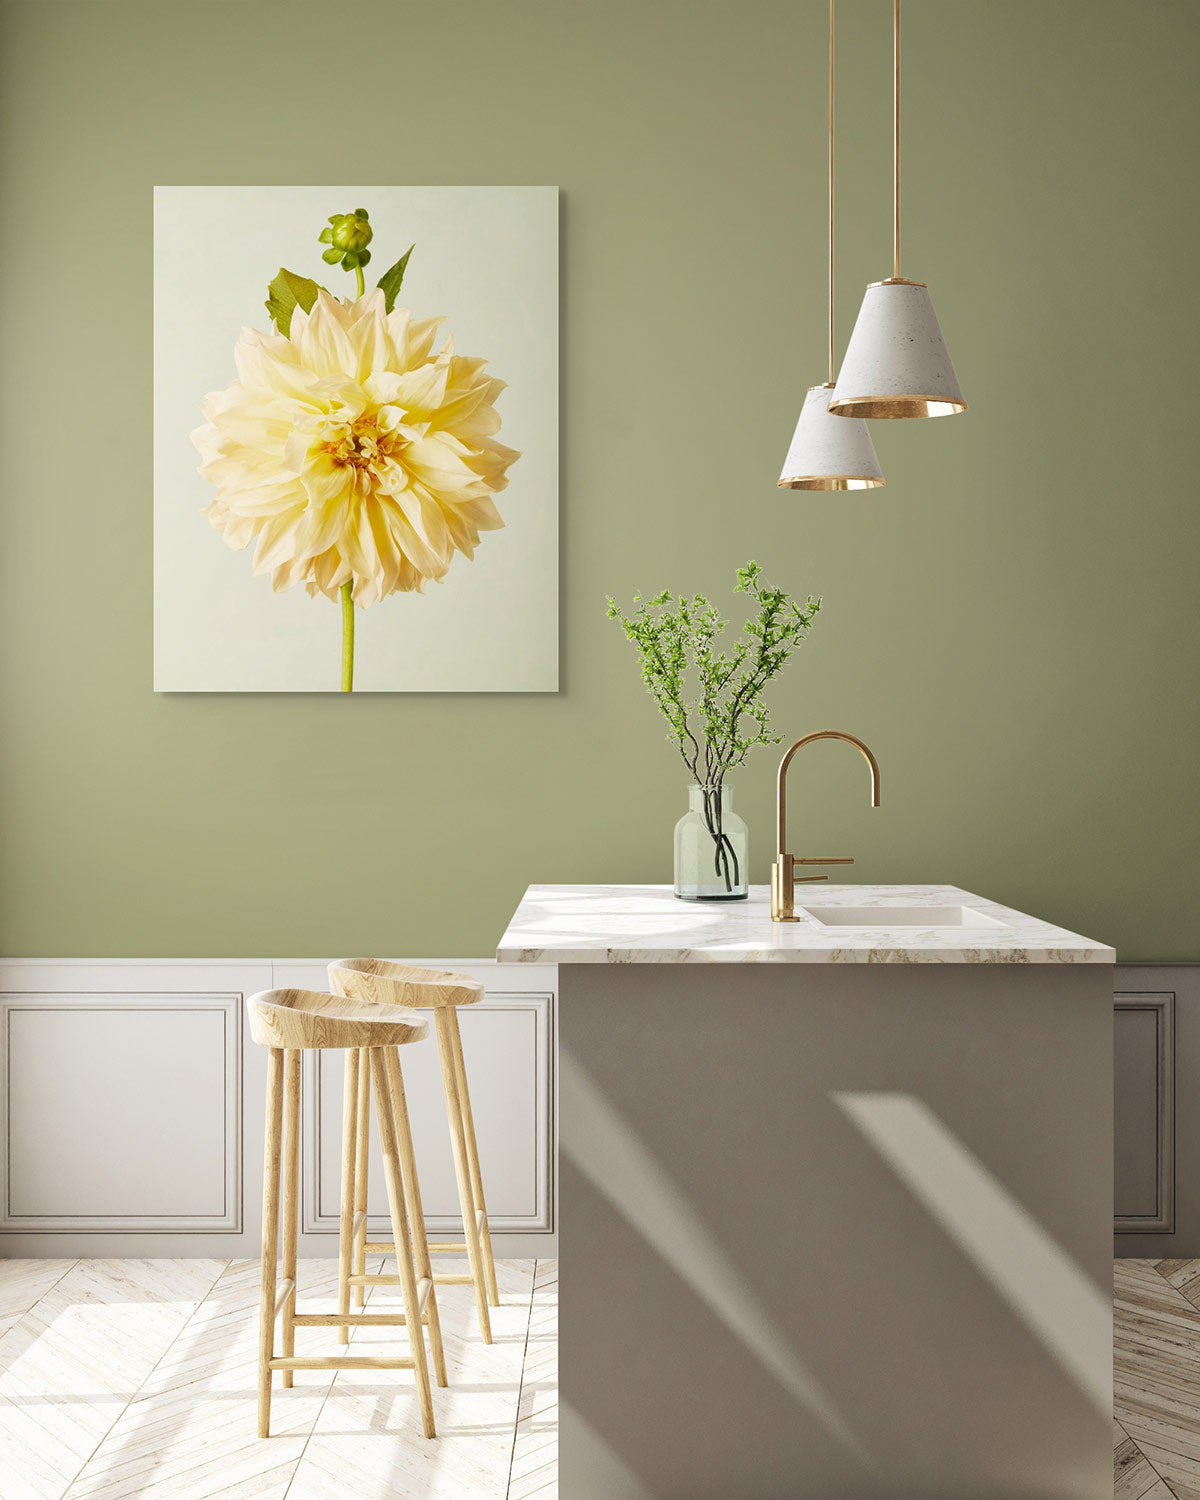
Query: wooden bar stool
x=289, y=1022
x=375, y=981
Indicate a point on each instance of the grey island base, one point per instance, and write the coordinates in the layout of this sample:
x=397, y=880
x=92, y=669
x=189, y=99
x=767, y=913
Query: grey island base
x=835, y=1201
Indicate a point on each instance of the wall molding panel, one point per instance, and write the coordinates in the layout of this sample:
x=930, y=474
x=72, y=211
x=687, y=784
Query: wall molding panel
x=1145, y=1119
x=82, y=1072
x=133, y=1105
x=323, y=1126
x=1157, y=1080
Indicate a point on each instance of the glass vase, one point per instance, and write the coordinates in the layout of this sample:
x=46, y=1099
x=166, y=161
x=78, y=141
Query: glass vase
x=711, y=848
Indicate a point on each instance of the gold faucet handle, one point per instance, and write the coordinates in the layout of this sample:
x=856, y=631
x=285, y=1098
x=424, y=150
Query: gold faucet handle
x=810, y=879
x=784, y=879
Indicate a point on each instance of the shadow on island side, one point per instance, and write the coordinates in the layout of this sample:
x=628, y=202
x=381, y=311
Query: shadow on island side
x=845, y=1238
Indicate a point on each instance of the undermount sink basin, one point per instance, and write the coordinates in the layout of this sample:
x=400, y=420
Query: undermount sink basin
x=900, y=916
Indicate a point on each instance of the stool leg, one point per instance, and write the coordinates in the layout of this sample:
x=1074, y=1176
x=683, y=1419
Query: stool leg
x=362, y=1147
x=270, y=1238
x=291, y=1197
x=401, y=1233
x=416, y=1213
x=464, y=1098
x=349, y=1145
x=461, y=1169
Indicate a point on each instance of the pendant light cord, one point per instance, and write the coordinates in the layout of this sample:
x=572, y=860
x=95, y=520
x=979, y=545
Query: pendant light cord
x=830, y=192
x=896, y=139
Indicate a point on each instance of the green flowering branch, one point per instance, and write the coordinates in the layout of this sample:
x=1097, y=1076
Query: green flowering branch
x=713, y=698
x=675, y=636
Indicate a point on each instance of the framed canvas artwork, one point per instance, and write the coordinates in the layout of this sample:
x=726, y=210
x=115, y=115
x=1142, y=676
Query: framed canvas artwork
x=356, y=439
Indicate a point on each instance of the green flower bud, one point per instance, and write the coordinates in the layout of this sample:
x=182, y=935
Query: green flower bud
x=348, y=233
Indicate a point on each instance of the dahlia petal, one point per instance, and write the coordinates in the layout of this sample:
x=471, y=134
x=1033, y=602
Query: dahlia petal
x=423, y=390
x=419, y=336
x=287, y=575
x=466, y=521
x=327, y=483
x=325, y=525
x=467, y=414
x=271, y=363
x=430, y=560
x=436, y=464
x=277, y=542
x=323, y=339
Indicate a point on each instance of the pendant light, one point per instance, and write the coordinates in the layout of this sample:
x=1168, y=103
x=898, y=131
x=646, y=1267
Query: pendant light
x=896, y=363
x=828, y=453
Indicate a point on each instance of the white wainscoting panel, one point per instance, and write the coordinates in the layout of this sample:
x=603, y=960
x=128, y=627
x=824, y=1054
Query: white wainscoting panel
x=123, y=1112
x=134, y=1102
x=125, y=1123
x=508, y=1046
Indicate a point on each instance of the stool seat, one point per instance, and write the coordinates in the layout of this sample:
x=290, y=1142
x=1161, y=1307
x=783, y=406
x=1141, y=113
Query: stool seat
x=305, y=1019
x=402, y=984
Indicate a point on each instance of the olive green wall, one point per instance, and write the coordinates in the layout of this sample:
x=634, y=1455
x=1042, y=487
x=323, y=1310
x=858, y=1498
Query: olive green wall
x=1011, y=623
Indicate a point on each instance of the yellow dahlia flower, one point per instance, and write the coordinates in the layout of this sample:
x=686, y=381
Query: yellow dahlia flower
x=352, y=452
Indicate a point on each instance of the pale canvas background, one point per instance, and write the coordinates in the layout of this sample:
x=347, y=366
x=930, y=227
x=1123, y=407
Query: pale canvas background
x=487, y=258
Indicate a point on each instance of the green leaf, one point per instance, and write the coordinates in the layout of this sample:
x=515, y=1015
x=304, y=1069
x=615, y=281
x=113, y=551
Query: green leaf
x=285, y=294
x=391, y=280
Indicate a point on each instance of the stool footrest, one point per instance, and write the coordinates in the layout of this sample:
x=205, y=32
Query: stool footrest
x=340, y=1362
x=358, y=1320
x=436, y=1247
x=369, y=1280
x=287, y=1290
x=443, y=1279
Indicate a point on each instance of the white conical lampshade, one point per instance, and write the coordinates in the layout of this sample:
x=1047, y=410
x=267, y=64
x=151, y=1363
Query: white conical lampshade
x=828, y=453
x=896, y=363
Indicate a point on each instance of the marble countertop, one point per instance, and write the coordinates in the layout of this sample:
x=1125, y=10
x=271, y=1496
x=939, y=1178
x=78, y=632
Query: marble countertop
x=645, y=924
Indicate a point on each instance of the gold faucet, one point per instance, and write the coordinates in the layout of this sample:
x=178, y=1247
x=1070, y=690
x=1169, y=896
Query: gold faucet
x=783, y=871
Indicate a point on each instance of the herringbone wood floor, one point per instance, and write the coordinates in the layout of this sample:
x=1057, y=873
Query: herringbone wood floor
x=1156, y=1435
x=136, y=1378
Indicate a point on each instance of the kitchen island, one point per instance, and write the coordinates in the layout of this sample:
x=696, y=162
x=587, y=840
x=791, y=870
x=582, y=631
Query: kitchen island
x=835, y=1204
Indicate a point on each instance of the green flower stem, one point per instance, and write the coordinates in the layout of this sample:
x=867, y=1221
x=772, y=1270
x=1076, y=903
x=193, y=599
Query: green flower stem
x=347, y=639
x=347, y=600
